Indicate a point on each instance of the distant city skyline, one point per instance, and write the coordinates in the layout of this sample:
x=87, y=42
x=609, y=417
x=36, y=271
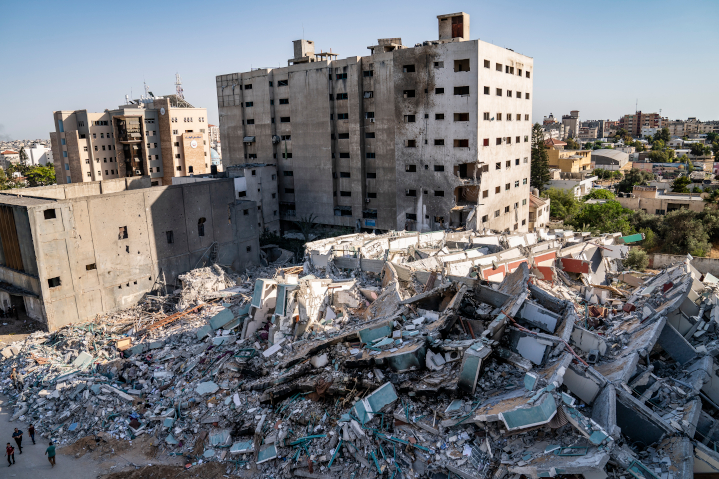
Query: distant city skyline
x=599, y=61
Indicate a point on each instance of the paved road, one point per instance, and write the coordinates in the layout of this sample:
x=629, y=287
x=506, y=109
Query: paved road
x=32, y=463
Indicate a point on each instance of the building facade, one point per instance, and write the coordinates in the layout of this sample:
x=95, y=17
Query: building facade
x=571, y=124
x=160, y=137
x=71, y=252
x=39, y=155
x=415, y=138
x=634, y=123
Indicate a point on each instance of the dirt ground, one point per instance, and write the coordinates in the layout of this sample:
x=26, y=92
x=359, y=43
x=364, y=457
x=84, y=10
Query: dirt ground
x=12, y=329
x=209, y=470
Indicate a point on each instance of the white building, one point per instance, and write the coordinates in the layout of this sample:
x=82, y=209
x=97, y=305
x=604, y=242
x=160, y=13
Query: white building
x=39, y=155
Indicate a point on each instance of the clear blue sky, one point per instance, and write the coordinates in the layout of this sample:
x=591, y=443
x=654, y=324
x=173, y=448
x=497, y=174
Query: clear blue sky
x=596, y=57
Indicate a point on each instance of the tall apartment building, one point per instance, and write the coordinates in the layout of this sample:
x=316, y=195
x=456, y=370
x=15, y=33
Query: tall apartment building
x=634, y=123
x=160, y=137
x=571, y=124
x=593, y=124
x=421, y=137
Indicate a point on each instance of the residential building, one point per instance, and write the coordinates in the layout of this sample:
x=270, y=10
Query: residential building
x=567, y=161
x=598, y=124
x=38, y=155
x=550, y=120
x=578, y=183
x=634, y=123
x=71, y=252
x=9, y=157
x=653, y=201
x=649, y=131
x=213, y=133
x=416, y=138
x=690, y=126
x=554, y=131
x=609, y=159
x=588, y=132
x=538, y=211
x=163, y=137
x=571, y=124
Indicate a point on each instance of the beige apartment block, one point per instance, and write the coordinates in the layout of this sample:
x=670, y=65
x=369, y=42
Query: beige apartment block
x=567, y=161
x=160, y=137
x=657, y=202
x=420, y=138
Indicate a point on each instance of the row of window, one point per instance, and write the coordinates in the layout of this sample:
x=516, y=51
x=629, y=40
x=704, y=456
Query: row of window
x=99, y=173
x=283, y=119
x=97, y=160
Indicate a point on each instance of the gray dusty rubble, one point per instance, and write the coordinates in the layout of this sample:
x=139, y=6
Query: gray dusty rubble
x=401, y=355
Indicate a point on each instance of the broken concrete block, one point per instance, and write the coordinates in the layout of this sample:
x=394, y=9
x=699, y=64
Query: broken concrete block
x=434, y=361
x=319, y=361
x=525, y=417
x=381, y=399
x=221, y=319
x=472, y=362
x=208, y=387
x=83, y=360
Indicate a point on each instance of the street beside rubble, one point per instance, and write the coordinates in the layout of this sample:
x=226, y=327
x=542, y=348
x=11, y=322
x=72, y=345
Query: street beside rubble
x=400, y=355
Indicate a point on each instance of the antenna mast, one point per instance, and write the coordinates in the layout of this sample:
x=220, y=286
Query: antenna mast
x=178, y=87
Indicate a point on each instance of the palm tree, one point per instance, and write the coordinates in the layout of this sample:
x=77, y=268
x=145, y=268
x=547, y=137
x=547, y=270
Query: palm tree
x=306, y=224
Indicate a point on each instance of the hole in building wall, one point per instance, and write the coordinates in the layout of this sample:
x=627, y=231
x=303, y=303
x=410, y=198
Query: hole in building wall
x=53, y=282
x=49, y=214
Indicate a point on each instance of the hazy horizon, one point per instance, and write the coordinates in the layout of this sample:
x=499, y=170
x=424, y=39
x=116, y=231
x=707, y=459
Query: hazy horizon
x=87, y=55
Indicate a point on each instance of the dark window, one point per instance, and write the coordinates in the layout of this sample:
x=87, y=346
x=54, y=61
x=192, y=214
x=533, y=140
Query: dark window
x=412, y=143
x=370, y=155
x=342, y=116
x=369, y=114
x=461, y=90
x=408, y=93
x=190, y=169
x=249, y=104
x=461, y=117
x=499, y=92
x=410, y=216
x=409, y=118
x=241, y=194
x=284, y=101
x=461, y=65
x=282, y=82
x=439, y=142
x=369, y=134
x=487, y=64
x=90, y=267
x=410, y=168
x=371, y=195
x=371, y=175
x=284, y=119
x=246, y=212
x=527, y=74
x=438, y=193
x=439, y=116
x=345, y=193
x=410, y=192
x=461, y=143
x=486, y=90
x=344, y=174
x=248, y=248
x=286, y=155
x=341, y=96
x=499, y=141
x=170, y=237
x=341, y=76
x=123, y=233
x=201, y=227
x=344, y=155
x=343, y=136
x=438, y=91
x=408, y=69
x=367, y=73
x=248, y=86
x=53, y=282
x=250, y=121
x=49, y=214
x=290, y=191
x=438, y=167
x=288, y=173
x=368, y=94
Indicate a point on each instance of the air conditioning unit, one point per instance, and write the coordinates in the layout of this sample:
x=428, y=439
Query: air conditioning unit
x=371, y=120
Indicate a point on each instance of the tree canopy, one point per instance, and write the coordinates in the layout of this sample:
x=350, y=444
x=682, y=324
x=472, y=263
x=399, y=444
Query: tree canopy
x=633, y=178
x=539, y=171
x=600, y=194
x=680, y=184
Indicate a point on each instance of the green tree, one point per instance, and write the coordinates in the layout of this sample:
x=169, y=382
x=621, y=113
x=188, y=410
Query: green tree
x=650, y=238
x=696, y=149
x=605, y=217
x=712, y=137
x=658, y=145
x=680, y=184
x=663, y=135
x=572, y=144
x=307, y=224
x=539, y=174
x=636, y=259
x=661, y=156
x=696, y=189
x=41, y=175
x=563, y=204
x=634, y=178
x=23, y=156
x=599, y=194
x=682, y=231
x=621, y=133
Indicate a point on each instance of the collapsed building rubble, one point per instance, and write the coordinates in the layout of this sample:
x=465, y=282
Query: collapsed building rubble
x=402, y=355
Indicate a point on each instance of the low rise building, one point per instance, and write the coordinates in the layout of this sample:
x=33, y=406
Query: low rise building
x=659, y=202
x=567, y=161
x=578, y=183
x=586, y=132
x=538, y=211
x=71, y=252
x=610, y=159
x=9, y=157
x=39, y=154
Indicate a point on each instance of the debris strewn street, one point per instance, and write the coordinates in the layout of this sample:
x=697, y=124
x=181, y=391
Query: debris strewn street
x=400, y=355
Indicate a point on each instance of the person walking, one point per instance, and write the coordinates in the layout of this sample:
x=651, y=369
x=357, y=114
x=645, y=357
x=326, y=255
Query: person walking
x=10, y=453
x=17, y=435
x=50, y=453
x=31, y=431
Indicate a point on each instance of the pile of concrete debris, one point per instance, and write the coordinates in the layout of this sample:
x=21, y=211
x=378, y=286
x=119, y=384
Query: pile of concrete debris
x=403, y=355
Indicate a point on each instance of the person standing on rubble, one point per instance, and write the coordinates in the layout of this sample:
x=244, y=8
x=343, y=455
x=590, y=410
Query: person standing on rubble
x=17, y=435
x=50, y=453
x=31, y=431
x=17, y=381
x=10, y=453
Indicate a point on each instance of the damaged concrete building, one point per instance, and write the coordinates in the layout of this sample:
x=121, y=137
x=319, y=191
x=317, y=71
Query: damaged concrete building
x=71, y=252
x=421, y=137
